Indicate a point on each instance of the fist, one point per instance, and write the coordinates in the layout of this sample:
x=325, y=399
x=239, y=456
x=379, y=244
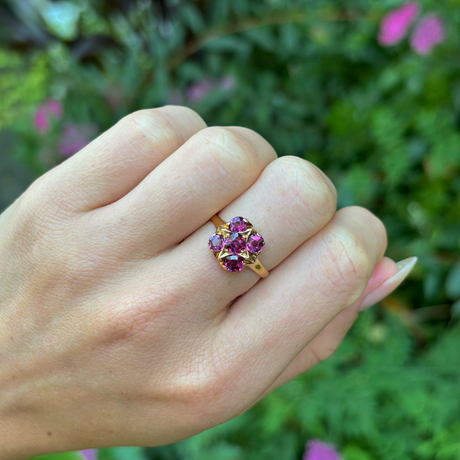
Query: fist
x=119, y=327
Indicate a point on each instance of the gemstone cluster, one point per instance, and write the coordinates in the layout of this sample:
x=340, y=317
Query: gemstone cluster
x=236, y=244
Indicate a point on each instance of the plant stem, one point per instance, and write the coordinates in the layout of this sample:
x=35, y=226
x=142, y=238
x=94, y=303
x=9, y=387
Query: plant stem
x=254, y=23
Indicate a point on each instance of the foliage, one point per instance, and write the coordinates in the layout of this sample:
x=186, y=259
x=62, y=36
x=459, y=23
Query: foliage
x=311, y=77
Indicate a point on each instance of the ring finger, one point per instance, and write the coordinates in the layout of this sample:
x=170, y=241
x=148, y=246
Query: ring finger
x=290, y=202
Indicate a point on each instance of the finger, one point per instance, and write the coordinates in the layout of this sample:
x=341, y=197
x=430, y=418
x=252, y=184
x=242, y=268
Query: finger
x=277, y=318
x=290, y=202
x=209, y=171
x=404, y=266
x=118, y=160
x=329, y=339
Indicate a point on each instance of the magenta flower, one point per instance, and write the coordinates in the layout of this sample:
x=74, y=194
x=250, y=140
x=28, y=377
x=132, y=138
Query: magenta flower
x=228, y=82
x=75, y=137
x=428, y=33
x=42, y=118
x=198, y=91
x=55, y=107
x=41, y=122
x=318, y=450
x=89, y=454
x=395, y=24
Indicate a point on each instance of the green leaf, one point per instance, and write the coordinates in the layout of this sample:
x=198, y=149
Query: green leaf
x=290, y=36
x=229, y=43
x=192, y=17
x=453, y=282
x=60, y=456
x=61, y=18
x=122, y=453
x=456, y=309
x=353, y=452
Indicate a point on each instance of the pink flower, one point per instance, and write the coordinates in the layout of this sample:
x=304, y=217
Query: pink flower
x=395, y=24
x=41, y=122
x=89, y=454
x=49, y=109
x=318, y=450
x=198, y=91
x=428, y=33
x=75, y=137
x=228, y=82
x=55, y=108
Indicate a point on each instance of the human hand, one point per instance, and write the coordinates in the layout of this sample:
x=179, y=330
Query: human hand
x=118, y=327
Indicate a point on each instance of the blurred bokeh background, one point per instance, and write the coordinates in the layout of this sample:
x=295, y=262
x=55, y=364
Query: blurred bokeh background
x=367, y=90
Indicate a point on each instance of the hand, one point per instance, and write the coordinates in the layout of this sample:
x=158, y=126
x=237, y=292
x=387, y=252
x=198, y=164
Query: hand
x=119, y=327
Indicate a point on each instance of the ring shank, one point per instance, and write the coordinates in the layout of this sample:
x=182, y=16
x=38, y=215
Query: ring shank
x=257, y=266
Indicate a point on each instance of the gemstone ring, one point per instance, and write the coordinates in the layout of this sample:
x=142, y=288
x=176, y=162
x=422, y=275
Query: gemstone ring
x=236, y=244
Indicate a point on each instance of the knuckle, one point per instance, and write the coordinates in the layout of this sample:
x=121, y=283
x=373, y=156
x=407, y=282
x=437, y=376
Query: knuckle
x=232, y=152
x=48, y=198
x=320, y=354
x=124, y=324
x=352, y=265
x=190, y=116
x=35, y=216
x=370, y=221
x=312, y=190
x=134, y=315
x=200, y=385
x=204, y=383
x=149, y=127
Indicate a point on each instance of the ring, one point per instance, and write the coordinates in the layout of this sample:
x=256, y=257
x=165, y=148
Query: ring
x=236, y=244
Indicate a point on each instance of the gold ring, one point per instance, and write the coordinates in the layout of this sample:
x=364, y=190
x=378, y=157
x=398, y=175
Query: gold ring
x=236, y=244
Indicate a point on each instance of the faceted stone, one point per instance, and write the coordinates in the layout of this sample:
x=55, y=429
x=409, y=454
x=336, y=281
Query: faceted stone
x=216, y=242
x=235, y=243
x=234, y=263
x=255, y=243
x=237, y=224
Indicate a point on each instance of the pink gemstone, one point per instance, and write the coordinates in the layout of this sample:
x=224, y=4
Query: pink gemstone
x=237, y=224
x=234, y=263
x=235, y=243
x=216, y=242
x=255, y=243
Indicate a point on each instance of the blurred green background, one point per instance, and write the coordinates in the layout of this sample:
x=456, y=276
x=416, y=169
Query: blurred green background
x=379, y=114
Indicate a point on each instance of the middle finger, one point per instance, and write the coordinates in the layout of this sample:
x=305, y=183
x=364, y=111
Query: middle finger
x=210, y=170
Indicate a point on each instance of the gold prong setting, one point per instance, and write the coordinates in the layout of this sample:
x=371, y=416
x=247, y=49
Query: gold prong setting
x=236, y=244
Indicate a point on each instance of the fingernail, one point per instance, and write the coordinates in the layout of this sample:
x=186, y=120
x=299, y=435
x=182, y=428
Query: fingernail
x=405, y=266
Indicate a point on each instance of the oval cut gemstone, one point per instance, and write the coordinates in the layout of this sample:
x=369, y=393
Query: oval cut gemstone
x=237, y=224
x=216, y=242
x=235, y=243
x=234, y=263
x=255, y=243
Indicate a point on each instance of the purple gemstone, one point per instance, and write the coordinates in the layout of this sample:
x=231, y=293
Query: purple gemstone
x=216, y=242
x=234, y=263
x=255, y=243
x=237, y=224
x=235, y=243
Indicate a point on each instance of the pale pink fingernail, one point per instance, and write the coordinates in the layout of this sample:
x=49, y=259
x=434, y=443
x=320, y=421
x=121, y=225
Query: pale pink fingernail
x=405, y=266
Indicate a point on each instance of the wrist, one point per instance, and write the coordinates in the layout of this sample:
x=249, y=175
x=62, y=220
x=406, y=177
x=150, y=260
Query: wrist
x=20, y=434
x=16, y=440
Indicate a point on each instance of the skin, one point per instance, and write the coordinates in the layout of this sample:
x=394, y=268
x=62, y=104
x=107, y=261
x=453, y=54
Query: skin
x=117, y=325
